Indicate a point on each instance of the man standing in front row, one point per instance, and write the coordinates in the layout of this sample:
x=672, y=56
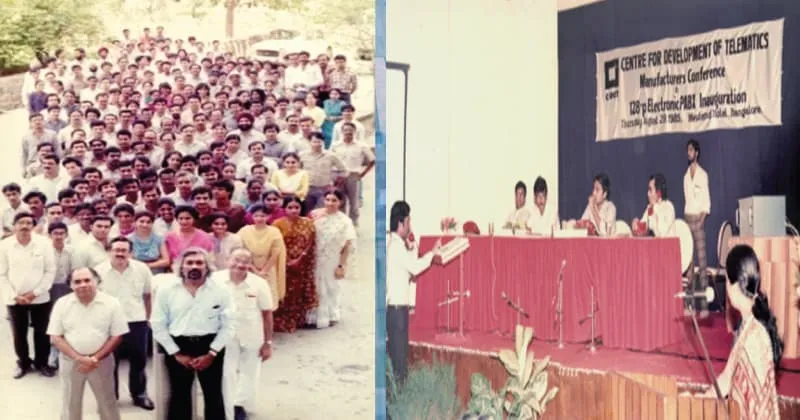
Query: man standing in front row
x=27, y=270
x=86, y=326
x=129, y=281
x=402, y=265
x=698, y=207
x=192, y=322
x=252, y=342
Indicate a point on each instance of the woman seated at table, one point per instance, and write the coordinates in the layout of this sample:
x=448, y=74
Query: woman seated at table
x=600, y=216
x=749, y=375
x=659, y=216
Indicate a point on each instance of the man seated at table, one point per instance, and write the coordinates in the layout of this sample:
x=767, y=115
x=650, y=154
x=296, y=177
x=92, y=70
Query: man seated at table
x=659, y=216
x=544, y=217
x=518, y=217
x=600, y=216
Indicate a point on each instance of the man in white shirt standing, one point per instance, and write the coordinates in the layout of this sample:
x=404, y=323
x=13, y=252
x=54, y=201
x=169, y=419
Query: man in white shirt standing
x=252, y=341
x=86, y=327
x=698, y=207
x=13, y=194
x=93, y=250
x=544, y=216
x=27, y=270
x=129, y=282
x=659, y=216
x=359, y=160
x=402, y=265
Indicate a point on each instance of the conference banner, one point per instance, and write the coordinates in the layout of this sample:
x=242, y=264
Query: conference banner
x=723, y=79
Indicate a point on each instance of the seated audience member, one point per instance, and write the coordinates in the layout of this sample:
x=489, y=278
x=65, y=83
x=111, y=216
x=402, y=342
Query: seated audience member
x=544, y=216
x=519, y=217
x=659, y=216
x=600, y=212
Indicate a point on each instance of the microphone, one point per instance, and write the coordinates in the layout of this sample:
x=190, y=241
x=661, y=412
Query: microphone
x=707, y=295
x=513, y=306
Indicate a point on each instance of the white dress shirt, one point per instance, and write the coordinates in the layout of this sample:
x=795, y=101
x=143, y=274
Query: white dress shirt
x=355, y=155
x=89, y=253
x=128, y=286
x=543, y=223
x=243, y=168
x=177, y=313
x=76, y=234
x=251, y=297
x=519, y=217
x=9, y=213
x=695, y=191
x=662, y=220
x=26, y=268
x=401, y=266
x=86, y=328
x=48, y=186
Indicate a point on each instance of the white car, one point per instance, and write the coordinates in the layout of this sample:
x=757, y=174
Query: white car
x=277, y=49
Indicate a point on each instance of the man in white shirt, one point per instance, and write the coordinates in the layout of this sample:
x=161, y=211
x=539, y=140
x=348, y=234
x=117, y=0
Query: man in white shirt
x=544, y=217
x=49, y=182
x=13, y=194
x=698, y=207
x=659, y=216
x=86, y=326
x=252, y=341
x=402, y=265
x=27, y=270
x=129, y=282
x=359, y=160
x=192, y=322
x=518, y=218
x=92, y=251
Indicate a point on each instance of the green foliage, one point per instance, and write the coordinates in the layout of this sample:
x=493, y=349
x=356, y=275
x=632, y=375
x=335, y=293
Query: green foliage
x=30, y=27
x=429, y=392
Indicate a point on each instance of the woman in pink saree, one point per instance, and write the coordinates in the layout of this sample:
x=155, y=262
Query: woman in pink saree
x=749, y=375
x=187, y=235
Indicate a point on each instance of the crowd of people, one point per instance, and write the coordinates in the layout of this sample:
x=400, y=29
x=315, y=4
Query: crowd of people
x=162, y=151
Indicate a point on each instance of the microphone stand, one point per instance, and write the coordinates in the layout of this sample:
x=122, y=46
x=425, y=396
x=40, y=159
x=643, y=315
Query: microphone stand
x=592, y=348
x=707, y=359
x=560, y=308
x=453, y=297
x=516, y=307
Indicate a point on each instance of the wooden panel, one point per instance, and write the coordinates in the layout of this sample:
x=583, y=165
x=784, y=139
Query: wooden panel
x=684, y=408
x=710, y=410
x=697, y=409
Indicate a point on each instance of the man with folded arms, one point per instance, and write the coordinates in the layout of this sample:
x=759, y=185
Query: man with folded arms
x=129, y=281
x=27, y=271
x=192, y=322
x=252, y=342
x=518, y=218
x=600, y=211
x=86, y=327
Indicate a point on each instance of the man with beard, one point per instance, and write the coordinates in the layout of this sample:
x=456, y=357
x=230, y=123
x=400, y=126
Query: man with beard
x=86, y=327
x=252, y=342
x=129, y=281
x=192, y=322
x=246, y=133
x=698, y=207
x=27, y=271
x=403, y=263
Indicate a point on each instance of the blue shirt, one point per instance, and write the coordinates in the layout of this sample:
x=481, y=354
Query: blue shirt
x=146, y=250
x=177, y=313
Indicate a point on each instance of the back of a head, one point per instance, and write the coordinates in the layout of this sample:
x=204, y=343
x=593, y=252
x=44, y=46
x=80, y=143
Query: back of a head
x=398, y=213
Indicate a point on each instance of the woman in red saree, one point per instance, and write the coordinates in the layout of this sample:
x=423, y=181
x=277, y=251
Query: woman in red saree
x=301, y=295
x=749, y=375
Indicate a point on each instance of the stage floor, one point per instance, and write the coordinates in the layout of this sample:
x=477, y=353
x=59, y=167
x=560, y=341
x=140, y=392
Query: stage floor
x=682, y=360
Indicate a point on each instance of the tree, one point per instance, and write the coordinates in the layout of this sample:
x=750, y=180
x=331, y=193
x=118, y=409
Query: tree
x=33, y=28
x=232, y=5
x=353, y=19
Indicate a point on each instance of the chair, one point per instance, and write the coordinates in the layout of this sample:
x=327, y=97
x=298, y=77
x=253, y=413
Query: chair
x=684, y=235
x=622, y=229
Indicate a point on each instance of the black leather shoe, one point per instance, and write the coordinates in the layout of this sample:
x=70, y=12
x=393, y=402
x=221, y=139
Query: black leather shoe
x=144, y=402
x=47, y=371
x=20, y=372
x=239, y=413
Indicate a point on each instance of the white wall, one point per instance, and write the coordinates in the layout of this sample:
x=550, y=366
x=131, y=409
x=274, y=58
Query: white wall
x=482, y=111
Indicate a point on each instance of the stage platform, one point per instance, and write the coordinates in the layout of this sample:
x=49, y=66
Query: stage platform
x=668, y=371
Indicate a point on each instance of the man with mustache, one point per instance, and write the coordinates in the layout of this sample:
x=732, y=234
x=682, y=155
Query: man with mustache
x=192, y=322
x=27, y=271
x=698, y=207
x=129, y=281
x=86, y=327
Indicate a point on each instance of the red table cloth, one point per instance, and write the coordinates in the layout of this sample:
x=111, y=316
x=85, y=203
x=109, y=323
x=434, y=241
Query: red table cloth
x=635, y=280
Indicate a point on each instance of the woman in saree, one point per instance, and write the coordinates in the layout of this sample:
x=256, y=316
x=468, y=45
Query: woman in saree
x=333, y=114
x=148, y=247
x=301, y=294
x=335, y=243
x=749, y=375
x=187, y=235
x=224, y=241
x=265, y=242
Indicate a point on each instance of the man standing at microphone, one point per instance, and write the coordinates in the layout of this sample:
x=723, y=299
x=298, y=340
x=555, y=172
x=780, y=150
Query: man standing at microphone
x=402, y=265
x=698, y=207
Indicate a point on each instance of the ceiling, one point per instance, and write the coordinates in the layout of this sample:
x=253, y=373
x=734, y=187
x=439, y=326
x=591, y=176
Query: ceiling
x=571, y=4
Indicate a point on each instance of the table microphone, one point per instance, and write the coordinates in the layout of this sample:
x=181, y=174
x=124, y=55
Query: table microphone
x=707, y=295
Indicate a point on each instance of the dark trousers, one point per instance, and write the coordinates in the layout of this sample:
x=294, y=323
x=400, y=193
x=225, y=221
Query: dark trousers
x=397, y=333
x=38, y=316
x=181, y=380
x=134, y=346
x=314, y=198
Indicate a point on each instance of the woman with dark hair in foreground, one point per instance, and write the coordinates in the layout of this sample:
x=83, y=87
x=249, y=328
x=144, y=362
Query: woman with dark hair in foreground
x=749, y=375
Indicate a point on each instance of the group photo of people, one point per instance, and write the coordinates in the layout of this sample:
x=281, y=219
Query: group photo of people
x=237, y=182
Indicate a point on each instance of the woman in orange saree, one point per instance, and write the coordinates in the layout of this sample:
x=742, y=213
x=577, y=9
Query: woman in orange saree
x=299, y=236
